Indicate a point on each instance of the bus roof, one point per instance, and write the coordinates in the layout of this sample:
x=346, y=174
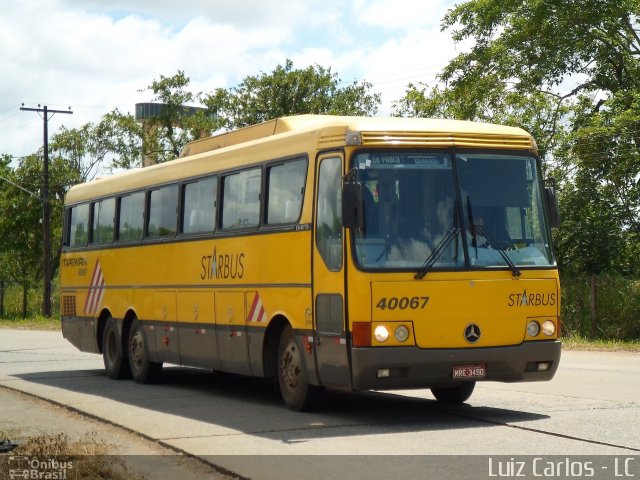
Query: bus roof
x=360, y=124
x=328, y=131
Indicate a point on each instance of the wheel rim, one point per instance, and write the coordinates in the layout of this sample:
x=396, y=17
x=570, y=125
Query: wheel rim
x=290, y=366
x=136, y=349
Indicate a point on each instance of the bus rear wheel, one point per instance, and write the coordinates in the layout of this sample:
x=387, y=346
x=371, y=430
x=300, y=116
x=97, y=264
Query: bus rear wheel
x=143, y=370
x=296, y=392
x=116, y=363
x=454, y=395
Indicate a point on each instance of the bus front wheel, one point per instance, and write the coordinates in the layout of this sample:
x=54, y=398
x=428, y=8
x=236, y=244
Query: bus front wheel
x=454, y=395
x=116, y=362
x=292, y=378
x=143, y=370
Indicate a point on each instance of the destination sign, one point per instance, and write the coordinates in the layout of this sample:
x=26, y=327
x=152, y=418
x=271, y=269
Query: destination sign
x=380, y=160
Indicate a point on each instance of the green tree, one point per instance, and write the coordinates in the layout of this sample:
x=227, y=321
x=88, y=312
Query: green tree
x=568, y=71
x=118, y=141
x=537, y=112
x=176, y=123
x=21, y=253
x=291, y=91
x=114, y=142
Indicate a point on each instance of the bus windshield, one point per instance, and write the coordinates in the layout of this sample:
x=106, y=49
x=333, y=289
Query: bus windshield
x=470, y=210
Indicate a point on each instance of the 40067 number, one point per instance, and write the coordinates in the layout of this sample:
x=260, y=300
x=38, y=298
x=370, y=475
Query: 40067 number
x=402, y=303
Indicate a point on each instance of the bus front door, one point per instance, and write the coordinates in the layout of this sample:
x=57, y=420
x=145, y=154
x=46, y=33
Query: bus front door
x=332, y=360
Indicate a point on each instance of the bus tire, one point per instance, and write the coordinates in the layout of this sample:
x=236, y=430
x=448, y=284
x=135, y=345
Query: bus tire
x=116, y=363
x=295, y=390
x=143, y=370
x=454, y=395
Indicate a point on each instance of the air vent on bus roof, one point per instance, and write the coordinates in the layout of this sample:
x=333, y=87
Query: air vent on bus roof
x=445, y=140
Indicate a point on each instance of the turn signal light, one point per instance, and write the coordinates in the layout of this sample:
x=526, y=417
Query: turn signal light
x=548, y=328
x=361, y=334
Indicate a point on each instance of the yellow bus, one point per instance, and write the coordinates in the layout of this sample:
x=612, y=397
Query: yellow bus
x=347, y=253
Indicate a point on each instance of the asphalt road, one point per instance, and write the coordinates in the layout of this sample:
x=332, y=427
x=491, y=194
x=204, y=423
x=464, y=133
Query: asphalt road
x=585, y=419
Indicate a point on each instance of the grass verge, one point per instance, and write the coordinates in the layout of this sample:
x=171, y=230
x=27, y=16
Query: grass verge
x=582, y=343
x=31, y=323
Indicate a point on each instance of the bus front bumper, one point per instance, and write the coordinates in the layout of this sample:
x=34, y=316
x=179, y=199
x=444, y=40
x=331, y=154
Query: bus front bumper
x=388, y=368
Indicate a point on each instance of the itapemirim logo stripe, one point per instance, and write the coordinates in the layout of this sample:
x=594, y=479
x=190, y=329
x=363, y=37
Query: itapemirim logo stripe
x=257, y=313
x=96, y=291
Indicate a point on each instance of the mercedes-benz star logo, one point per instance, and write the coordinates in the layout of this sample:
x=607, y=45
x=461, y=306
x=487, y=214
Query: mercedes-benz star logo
x=472, y=333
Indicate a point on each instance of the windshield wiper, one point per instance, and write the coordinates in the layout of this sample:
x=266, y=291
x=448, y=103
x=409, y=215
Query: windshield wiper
x=482, y=231
x=437, y=252
x=478, y=228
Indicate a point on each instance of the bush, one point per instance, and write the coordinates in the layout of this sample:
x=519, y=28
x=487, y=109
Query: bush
x=617, y=307
x=12, y=305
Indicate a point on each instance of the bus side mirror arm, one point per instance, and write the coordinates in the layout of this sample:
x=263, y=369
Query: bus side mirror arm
x=551, y=204
x=352, y=205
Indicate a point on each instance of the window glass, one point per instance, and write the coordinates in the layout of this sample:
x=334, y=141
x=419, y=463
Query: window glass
x=102, y=228
x=163, y=207
x=131, y=217
x=241, y=199
x=410, y=210
x=79, y=225
x=285, y=191
x=329, y=213
x=502, y=202
x=414, y=216
x=199, y=206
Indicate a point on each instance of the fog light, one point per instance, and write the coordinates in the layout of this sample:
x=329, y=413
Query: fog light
x=544, y=366
x=533, y=328
x=548, y=328
x=401, y=333
x=381, y=333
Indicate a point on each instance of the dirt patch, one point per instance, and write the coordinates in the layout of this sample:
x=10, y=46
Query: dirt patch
x=60, y=444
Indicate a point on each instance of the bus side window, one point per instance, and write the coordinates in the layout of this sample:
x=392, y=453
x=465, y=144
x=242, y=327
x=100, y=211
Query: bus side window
x=131, y=217
x=163, y=205
x=199, y=206
x=79, y=225
x=241, y=199
x=102, y=228
x=285, y=191
x=329, y=213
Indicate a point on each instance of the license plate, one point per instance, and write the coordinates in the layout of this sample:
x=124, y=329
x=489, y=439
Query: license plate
x=469, y=371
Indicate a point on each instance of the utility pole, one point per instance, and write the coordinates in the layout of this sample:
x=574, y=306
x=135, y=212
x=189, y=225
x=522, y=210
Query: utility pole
x=46, y=224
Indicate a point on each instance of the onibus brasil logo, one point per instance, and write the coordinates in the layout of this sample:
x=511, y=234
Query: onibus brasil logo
x=27, y=468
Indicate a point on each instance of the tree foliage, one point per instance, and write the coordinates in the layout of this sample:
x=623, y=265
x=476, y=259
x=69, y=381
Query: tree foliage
x=118, y=141
x=176, y=124
x=569, y=72
x=290, y=91
x=21, y=253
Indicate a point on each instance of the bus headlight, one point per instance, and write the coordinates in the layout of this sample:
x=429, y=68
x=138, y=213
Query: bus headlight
x=381, y=333
x=401, y=334
x=548, y=328
x=533, y=328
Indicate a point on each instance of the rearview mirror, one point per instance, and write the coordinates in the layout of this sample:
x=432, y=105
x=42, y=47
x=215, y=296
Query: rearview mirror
x=551, y=205
x=352, y=210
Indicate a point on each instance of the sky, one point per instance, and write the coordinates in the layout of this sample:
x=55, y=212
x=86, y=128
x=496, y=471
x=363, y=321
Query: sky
x=97, y=55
